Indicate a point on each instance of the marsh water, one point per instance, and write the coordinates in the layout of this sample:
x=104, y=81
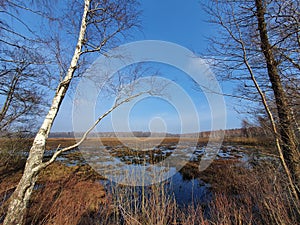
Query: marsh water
x=181, y=184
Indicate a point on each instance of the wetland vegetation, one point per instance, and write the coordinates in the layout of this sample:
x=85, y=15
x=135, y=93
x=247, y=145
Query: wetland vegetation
x=70, y=191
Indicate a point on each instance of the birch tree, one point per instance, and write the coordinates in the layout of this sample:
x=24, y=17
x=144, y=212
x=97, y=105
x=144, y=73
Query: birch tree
x=259, y=48
x=102, y=22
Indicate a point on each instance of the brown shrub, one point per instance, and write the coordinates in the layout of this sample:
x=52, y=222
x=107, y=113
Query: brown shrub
x=69, y=200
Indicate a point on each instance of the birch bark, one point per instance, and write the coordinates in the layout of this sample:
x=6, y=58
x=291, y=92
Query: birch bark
x=20, y=198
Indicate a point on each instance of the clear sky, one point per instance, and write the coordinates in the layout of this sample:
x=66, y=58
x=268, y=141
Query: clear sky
x=182, y=22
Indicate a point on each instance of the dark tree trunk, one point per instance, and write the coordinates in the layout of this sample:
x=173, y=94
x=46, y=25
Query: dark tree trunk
x=288, y=138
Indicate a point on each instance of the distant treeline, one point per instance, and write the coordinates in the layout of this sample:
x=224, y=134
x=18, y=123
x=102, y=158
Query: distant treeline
x=238, y=132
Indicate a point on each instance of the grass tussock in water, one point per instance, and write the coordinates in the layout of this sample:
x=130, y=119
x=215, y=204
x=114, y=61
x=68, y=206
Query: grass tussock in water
x=73, y=195
x=240, y=194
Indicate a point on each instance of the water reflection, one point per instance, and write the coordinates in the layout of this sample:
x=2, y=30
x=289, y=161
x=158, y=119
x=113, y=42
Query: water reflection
x=184, y=185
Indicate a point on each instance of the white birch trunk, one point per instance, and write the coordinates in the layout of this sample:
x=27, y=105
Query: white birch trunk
x=20, y=198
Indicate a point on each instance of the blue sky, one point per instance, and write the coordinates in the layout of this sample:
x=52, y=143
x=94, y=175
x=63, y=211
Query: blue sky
x=181, y=22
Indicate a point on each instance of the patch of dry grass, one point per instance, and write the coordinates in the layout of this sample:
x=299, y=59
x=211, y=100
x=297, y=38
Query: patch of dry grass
x=72, y=195
x=63, y=195
x=241, y=195
x=69, y=201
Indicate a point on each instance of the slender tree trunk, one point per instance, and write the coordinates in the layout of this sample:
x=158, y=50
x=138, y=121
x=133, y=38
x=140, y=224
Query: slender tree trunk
x=9, y=97
x=288, y=138
x=20, y=198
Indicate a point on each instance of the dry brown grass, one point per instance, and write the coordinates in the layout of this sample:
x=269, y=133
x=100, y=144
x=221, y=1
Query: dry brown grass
x=256, y=196
x=7, y=186
x=108, y=141
x=143, y=205
x=244, y=196
x=70, y=201
x=66, y=195
x=63, y=195
x=73, y=195
x=113, y=141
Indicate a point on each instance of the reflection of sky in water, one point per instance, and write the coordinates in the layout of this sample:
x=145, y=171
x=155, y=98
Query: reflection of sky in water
x=144, y=167
x=187, y=191
x=184, y=190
